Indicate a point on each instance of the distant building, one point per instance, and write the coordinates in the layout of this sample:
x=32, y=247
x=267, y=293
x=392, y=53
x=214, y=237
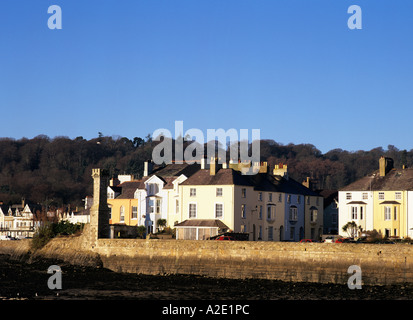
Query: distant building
x=17, y=221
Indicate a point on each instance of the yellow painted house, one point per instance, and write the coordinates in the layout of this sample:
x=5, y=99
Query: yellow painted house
x=123, y=205
x=382, y=201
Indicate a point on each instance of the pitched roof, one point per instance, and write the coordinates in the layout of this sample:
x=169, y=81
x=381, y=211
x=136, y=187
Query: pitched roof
x=260, y=181
x=128, y=189
x=170, y=172
x=203, y=223
x=222, y=177
x=395, y=179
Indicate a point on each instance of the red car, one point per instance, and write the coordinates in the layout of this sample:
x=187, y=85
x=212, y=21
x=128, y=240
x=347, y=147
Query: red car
x=344, y=240
x=305, y=240
x=228, y=238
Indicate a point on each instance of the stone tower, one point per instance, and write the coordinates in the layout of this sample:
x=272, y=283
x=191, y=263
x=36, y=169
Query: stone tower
x=99, y=212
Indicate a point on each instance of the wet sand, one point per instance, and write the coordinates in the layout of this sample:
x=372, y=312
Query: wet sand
x=20, y=280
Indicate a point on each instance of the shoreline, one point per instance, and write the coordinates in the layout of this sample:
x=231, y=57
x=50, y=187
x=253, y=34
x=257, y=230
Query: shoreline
x=28, y=280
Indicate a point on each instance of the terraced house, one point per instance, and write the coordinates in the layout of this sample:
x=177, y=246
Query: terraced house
x=267, y=206
x=383, y=201
x=202, y=200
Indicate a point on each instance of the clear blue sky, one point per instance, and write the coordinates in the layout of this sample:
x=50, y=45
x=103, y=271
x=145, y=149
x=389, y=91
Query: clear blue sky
x=292, y=69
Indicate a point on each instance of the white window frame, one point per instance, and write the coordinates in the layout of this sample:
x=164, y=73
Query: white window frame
x=158, y=206
x=354, y=212
x=219, y=192
x=189, y=210
x=134, y=211
x=222, y=210
x=387, y=213
x=122, y=214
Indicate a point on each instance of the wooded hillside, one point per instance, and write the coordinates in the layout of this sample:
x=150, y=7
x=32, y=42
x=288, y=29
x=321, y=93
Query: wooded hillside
x=58, y=170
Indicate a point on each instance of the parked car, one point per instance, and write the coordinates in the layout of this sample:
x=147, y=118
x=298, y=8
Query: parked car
x=329, y=239
x=5, y=238
x=305, y=240
x=345, y=240
x=225, y=238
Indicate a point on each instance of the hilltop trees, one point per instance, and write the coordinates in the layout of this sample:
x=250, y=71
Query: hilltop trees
x=60, y=168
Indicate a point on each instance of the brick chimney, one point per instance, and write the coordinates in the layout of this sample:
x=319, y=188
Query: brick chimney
x=147, y=168
x=213, y=166
x=281, y=170
x=385, y=165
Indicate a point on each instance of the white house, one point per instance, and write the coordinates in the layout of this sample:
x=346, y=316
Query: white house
x=158, y=193
x=355, y=206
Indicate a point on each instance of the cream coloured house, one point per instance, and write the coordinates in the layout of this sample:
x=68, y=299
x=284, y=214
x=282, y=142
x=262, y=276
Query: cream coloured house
x=267, y=206
x=17, y=221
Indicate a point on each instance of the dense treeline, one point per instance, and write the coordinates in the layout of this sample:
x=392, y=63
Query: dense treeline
x=58, y=171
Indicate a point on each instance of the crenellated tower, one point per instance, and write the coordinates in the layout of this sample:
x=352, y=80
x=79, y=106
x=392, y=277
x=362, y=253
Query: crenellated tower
x=99, y=212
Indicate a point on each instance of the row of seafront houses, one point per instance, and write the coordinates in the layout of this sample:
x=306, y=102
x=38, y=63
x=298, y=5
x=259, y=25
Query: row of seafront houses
x=202, y=200
x=19, y=220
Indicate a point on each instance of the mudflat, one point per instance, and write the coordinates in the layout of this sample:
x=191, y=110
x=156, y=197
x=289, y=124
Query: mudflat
x=22, y=280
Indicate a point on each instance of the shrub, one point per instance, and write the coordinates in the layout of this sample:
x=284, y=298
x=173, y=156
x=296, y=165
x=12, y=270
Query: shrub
x=141, y=231
x=66, y=228
x=42, y=236
x=50, y=230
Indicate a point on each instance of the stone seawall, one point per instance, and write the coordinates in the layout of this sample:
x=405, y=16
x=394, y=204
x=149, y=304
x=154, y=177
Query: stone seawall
x=309, y=262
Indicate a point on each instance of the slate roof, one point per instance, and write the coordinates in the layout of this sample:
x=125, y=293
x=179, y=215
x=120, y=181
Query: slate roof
x=394, y=180
x=203, y=223
x=128, y=189
x=260, y=181
x=170, y=172
x=222, y=177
